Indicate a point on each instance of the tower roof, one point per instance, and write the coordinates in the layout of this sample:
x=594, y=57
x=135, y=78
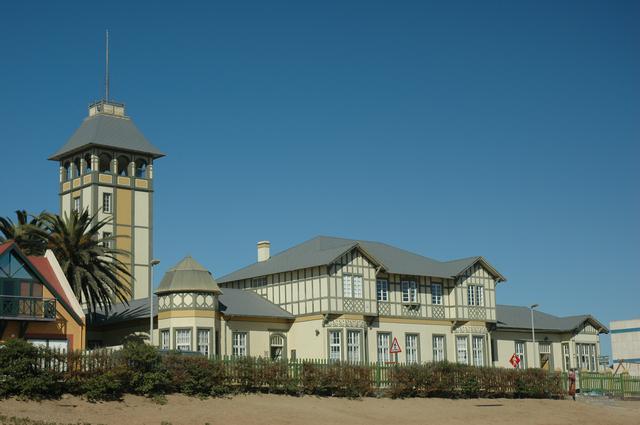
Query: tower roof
x=188, y=276
x=107, y=126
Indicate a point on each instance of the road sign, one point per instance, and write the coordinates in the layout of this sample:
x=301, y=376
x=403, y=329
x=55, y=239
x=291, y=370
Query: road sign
x=395, y=346
x=603, y=360
x=514, y=360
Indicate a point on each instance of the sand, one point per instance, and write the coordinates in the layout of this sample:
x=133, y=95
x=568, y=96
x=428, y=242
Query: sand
x=275, y=409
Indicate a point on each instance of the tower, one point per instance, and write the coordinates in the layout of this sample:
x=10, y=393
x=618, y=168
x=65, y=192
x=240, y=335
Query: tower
x=106, y=167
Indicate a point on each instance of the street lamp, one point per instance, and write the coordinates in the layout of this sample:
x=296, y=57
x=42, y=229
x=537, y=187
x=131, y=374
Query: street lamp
x=533, y=333
x=153, y=263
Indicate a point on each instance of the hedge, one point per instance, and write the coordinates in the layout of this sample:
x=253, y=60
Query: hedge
x=33, y=372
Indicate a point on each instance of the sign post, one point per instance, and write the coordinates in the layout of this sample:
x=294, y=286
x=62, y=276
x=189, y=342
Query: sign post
x=395, y=349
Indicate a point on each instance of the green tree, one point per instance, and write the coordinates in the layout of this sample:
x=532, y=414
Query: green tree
x=29, y=232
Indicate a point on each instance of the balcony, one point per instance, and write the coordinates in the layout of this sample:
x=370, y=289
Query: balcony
x=27, y=308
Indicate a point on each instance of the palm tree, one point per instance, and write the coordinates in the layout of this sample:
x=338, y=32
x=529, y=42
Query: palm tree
x=96, y=271
x=29, y=232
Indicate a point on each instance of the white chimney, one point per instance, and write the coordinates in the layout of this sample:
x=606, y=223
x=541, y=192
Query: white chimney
x=264, y=248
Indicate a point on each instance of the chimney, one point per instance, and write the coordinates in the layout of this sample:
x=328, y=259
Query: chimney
x=264, y=250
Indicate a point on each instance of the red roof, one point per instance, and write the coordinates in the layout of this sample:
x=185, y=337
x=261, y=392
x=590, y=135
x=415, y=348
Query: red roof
x=45, y=269
x=5, y=246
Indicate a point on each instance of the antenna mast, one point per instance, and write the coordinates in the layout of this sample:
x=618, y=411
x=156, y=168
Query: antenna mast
x=106, y=75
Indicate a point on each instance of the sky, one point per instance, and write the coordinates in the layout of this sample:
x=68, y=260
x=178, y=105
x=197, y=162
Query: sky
x=452, y=129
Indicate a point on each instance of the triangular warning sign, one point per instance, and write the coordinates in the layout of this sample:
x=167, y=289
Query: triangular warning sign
x=395, y=346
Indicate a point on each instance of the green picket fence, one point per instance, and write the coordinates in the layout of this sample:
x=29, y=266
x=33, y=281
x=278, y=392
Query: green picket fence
x=613, y=385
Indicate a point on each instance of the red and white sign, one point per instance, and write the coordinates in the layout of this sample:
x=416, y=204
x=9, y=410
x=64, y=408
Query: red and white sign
x=395, y=346
x=514, y=360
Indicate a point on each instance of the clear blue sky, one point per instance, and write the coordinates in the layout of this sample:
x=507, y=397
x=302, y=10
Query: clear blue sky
x=466, y=128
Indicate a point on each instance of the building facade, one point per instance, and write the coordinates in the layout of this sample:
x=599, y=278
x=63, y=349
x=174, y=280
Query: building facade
x=625, y=346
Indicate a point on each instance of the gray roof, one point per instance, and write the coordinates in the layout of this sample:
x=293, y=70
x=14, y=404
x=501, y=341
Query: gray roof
x=513, y=317
x=240, y=302
x=108, y=131
x=188, y=276
x=137, y=309
x=323, y=250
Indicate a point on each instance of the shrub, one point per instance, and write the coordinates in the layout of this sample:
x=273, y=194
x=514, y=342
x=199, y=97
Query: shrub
x=146, y=372
x=336, y=379
x=107, y=386
x=196, y=376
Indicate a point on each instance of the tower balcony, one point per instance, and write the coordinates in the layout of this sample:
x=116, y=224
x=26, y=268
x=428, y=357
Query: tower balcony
x=27, y=308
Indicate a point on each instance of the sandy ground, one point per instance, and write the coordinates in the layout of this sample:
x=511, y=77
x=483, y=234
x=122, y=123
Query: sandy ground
x=273, y=409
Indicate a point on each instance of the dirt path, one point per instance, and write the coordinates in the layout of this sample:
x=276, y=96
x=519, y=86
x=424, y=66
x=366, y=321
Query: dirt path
x=283, y=410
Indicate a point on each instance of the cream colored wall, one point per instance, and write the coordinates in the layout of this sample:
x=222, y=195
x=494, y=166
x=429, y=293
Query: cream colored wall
x=192, y=323
x=259, y=333
x=308, y=337
x=141, y=217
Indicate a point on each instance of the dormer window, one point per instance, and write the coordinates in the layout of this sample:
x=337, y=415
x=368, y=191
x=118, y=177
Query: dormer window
x=409, y=291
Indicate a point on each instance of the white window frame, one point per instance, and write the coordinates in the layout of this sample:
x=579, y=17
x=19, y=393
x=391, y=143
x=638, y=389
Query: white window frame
x=239, y=344
x=165, y=336
x=347, y=287
x=107, y=204
x=77, y=206
x=356, y=282
x=439, y=354
x=354, y=352
x=436, y=295
x=352, y=286
x=383, y=344
x=382, y=290
x=183, y=339
x=566, y=356
x=411, y=347
x=277, y=341
x=477, y=348
x=521, y=352
x=335, y=345
x=475, y=295
x=409, y=291
x=203, y=344
x=462, y=349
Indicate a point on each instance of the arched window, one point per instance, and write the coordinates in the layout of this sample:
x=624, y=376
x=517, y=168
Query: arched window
x=87, y=163
x=76, y=167
x=277, y=348
x=123, y=166
x=68, y=171
x=105, y=163
x=141, y=168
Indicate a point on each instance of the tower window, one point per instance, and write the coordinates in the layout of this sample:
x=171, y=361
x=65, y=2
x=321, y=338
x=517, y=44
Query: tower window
x=106, y=203
x=76, y=204
x=87, y=163
x=68, y=171
x=76, y=167
x=104, y=163
x=141, y=168
x=123, y=166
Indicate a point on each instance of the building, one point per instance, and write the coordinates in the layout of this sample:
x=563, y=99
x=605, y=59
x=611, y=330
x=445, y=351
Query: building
x=561, y=343
x=106, y=167
x=625, y=346
x=36, y=301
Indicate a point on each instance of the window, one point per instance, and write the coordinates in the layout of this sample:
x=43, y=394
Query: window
x=382, y=286
x=106, y=202
x=76, y=204
x=475, y=295
x=68, y=171
x=566, y=357
x=204, y=336
x=438, y=348
x=87, y=163
x=106, y=241
x=276, y=347
x=352, y=286
x=477, y=347
x=164, y=339
x=141, y=168
x=521, y=355
x=411, y=348
x=258, y=282
x=183, y=339
x=239, y=344
x=586, y=356
x=462, y=349
x=409, y=291
x=353, y=346
x=544, y=350
x=383, y=342
x=123, y=166
x=335, y=345
x=436, y=293
x=104, y=163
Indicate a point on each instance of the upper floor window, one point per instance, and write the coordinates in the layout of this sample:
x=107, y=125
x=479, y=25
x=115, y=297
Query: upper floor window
x=475, y=295
x=409, y=291
x=352, y=286
x=104, y=163
x=436, y=293
x=258, y=282
x=87, y=163
x=68, y=170
x=76, y=204
x=141, y=168
x=382, y=287
x=106, y=202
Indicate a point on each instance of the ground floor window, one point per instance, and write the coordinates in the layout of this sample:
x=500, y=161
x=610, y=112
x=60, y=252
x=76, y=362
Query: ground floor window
x=438, y=348
x=544, y=348
x=276, y=347
x=239, y=344
x=520, y=354
x=462, y=349
x=353, y=346
x=164, y=339
x=566, y=357
x=383, y=342
x=183, y=339
x=411, y=348
x=61, y=345
x=586, y=356
x=335, y=345
x=477, y=346
x=204, y=340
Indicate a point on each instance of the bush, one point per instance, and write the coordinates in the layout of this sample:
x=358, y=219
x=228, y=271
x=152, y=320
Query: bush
x=146, y=372
x=107, y=386
x=29, y=371
x=197, y=376
x=336, y=379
